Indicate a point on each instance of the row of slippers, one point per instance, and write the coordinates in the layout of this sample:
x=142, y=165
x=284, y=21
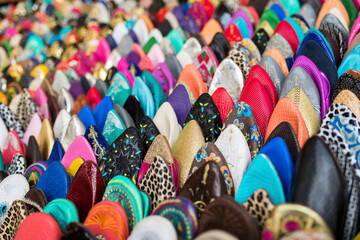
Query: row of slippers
x=33, y=216
x=120, y=148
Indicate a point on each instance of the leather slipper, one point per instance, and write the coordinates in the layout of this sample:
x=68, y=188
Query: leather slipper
x=33, y=129
x=11, y=120
x=46, y=139
x=180, y=102
x=12, y=146
x=298, y=77
x=87, y=117
x=32, y=151
x=65, y=100
x=146, y=99
x=224, y=213
x=134, y=108
x=35, y=200
x=160, y=147
x=157, y=227
x=289, y=217
x=60, y=124
x=124, y=115
x=79, y=148
x=298, y=96
x=54, y=182
x=57, y=153
x=346, y=158
x=39, y=225
x=259, y=206
x=157, y=182
x=164, y=76
x=16, y=215
x=349, y=99
x=191, y=138
x=167, y=123
x=279, y=155
x=13, y=187
x=74, y=129
x=87, y=177
x=287, y=111
x=191, y=76
x=287, y=133
x=312, y=165
x=223, y=101
x=155, y=89
x=274, y=71
x=262, y=100
x=75, y=230
x=101, y=111
x=26, y=108
x=269, y=180
x=18, y=164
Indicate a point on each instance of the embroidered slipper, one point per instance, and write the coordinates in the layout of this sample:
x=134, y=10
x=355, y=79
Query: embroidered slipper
x=123, y=157
x=242, y=116
x=208, y=182
x=229, y=76
x=63, y=211
x=35, y=171
x=182, y=214
x=123, y=192
x=101, y=214
x=235, y=149
x=207, y=115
